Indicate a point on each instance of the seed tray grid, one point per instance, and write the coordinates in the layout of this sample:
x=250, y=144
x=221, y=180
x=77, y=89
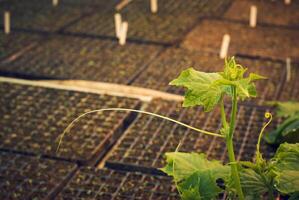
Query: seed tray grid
x=180, y=59
x=88, y=139
x=145, y=26
x=27, y=177
x=42, y=16
x=280, y=15
x=290, y=89
x=85, y=59
x=109, y=184
x=144, y=143
x=256, y=42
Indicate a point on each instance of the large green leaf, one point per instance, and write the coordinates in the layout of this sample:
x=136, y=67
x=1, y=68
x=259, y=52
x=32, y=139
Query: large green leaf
x=253, y=184
x=192, y=171
x=285, y=166
x=201, y=90
x=285, y=109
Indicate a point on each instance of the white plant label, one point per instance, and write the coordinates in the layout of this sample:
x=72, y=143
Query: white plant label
x=253, y=16
x=6, y=22
x=287, y=2
x=123, y=33
x=224, y=46
x=55, y=2
x=288, y=65
x=154, y=6
x=118, y=23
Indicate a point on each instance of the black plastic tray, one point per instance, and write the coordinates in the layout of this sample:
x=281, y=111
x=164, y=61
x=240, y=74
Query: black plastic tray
x=145, y=142
x=65, y=57
x=34, y=117
x=26, y=177
x=267, y=42
x=173, y=20
x=41, y=15
x=105, y=184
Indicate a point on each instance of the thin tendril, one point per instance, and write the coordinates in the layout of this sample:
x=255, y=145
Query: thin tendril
x=267, y=115
x=137, y=111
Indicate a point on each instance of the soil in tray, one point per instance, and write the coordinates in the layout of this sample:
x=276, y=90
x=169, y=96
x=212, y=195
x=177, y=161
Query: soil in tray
x=41, y=15
x=26, y=177
x=270, y=42
x=269, y=12
x=63, y=57
x=34, y=117
x=173, y=61
x=14, y=43
x=290, y=89
x=172, y=21
x=105, y=184
x=147, y=140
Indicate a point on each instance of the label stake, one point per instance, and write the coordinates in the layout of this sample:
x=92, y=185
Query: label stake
x=118, y=24
x=224, y=46
x=287, y=2
x=123, y=34
x=253, y=16
x=289, y=67
x=6, y=22
x=55, y=2
x=154, y=6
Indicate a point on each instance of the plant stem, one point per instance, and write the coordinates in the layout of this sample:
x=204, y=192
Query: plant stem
x=230, y=146
x=223, y=116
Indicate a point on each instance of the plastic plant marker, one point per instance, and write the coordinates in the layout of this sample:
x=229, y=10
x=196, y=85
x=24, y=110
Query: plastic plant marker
x=287, y=2
x=154, y=6
x=7, y=22
x=253, y=16
x=288, y=66
x=122, y=4
x=224, y=46
x=123, y=33
x=117, y=20
x=55, y=2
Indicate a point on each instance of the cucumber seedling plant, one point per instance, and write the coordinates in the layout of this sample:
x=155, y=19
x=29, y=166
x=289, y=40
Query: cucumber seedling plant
x=198, y=178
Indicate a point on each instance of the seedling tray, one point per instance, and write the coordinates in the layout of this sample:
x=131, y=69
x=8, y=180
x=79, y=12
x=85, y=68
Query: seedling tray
x=34, y=117
x=145, y=142
x=174, y=60
x=280, y=15
x=65, y=57
x=267, y=42
x=173, y=20
x=105, y=184
x=290, y=90
x=41, y=15
x=14, y=43
x=26, y=177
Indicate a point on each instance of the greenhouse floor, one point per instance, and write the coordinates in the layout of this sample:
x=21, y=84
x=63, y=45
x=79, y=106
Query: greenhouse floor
x=58, y=62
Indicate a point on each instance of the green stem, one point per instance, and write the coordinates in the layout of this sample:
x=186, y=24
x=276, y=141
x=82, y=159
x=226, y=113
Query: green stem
x=230, y=146
x=223, y=116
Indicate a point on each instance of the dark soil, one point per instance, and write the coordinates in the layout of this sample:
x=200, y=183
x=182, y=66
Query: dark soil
x=268, y=42
x=269, y=12
x=27, y=178
x=33, y=118
x=107, y=184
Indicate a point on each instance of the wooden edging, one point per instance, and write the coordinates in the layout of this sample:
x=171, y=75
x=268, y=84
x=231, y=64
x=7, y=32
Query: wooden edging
x=98, y=88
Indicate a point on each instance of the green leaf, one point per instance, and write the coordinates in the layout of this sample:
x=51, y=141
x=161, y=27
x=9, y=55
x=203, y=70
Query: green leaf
x=286, y=168
x=201, y=90
x=254, y=77
x=253, y=184
x=285, y=109
x=193, y=171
